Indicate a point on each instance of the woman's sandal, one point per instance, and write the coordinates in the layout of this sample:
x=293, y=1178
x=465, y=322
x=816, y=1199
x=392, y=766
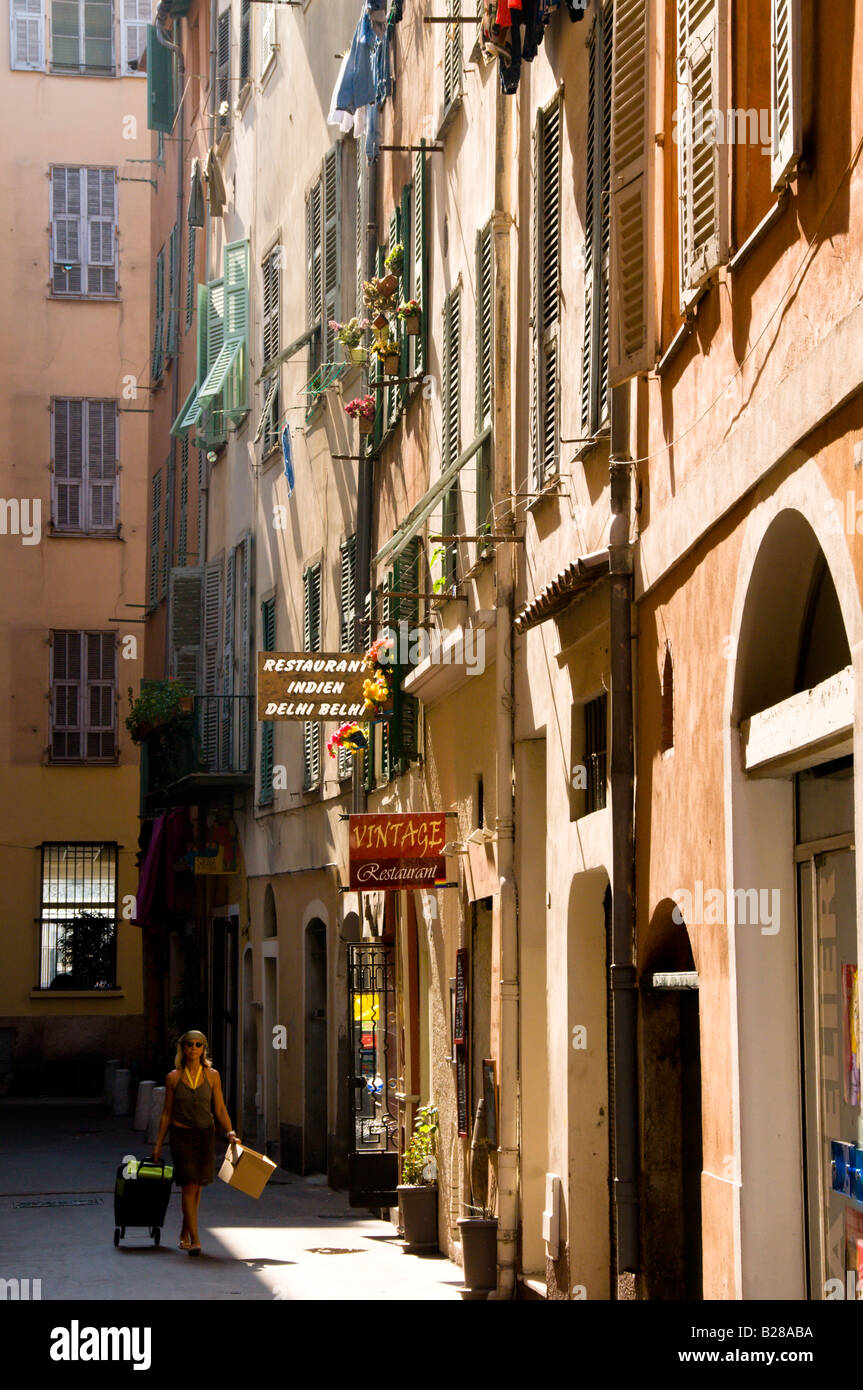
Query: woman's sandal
x=194, y=1249
x=183, y=1244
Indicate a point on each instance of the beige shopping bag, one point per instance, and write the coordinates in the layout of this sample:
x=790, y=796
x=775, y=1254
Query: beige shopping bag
x=246, y=1170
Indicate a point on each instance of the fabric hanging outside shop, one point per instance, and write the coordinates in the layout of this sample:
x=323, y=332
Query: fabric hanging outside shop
x=217, y=195
x=195, y=215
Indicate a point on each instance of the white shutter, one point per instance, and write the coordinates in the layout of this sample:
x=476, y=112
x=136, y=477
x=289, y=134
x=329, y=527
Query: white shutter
x=27, y=30
x=101, y=464
x=134, y=18
x=268, y=35
x=66, y=231
x=702, y=160
x=631, y=347
x=68, y=452
x=785, y=90
x=101, y=237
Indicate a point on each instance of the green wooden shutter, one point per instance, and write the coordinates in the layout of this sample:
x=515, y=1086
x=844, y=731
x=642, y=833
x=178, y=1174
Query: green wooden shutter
x=452, y=64
x=190, y=275
x=223, y=70
x=161, y=97
x=155, y=537
x=158, y=361
x=331, y=199
x=236, y=385
x=245, y=42
x=348, y=592
x=406, y=237
x=451, y=402
x=376, y=372
x=268, y=728
x=396, y=329
x=172, y=308
x=484, y=327
x=311, y=643
x=420, y=250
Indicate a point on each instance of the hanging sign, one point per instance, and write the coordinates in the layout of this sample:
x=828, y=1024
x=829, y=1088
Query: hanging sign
x=402, y=850
x=312, y=685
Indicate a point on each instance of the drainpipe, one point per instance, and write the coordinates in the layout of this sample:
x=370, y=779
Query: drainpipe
x=507, y=925
x=365, y=480
x=203, y=490
x=174, y=309
x=624, y=989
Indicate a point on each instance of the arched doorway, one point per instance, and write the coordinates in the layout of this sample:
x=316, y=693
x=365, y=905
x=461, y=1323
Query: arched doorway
x=671, y=1110
x=315, y=1105
x=792, y=876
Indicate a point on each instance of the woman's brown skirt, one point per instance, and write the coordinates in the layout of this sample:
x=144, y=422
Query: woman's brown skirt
x=193, y=1154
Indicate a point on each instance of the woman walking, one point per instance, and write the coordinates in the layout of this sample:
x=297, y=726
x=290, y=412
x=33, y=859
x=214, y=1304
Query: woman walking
x=193, y=1095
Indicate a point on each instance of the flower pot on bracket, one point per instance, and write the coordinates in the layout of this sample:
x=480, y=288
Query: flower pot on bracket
x=388, y=285
x=357, y=355
x=418, y=1209
x=380, y=321
x=479, y=1254
x=366, y=426
x=412, y=324
x=392, y=364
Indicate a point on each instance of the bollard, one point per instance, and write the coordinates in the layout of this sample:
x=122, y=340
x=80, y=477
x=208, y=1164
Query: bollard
x=120, y=1097
x=110, y=1072
x=143, y=1102
x=157, y=1105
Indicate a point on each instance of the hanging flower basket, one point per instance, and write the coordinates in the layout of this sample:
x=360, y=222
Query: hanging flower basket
x=380, y=321
x=351, y=737
x=388, y=285
x=410, y=314
x=395, y=259
x=357, y=355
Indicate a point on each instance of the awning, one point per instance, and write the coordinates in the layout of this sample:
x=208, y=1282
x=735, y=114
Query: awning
x=418, y=513
x=559, y=594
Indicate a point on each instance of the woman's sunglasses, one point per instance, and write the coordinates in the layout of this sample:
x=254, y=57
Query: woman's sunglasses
x=193, y=1044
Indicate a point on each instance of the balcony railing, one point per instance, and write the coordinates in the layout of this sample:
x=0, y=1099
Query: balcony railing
x=208, y=750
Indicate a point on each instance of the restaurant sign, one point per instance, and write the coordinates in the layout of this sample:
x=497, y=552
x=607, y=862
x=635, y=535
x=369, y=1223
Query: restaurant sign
x=311, y=685
x=399, y=850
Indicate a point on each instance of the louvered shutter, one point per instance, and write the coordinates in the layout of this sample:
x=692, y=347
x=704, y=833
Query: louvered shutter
x=68, y=477
x=604, y=233
x=191, y=233
x=212, y=651
x=184, y=614
x=101, y=238
x=101, y=697
x=161, y=95
x=315, y=270
x=631, y=300
x=268, y=728
x=348, y=593
x=484, y=328
x=226, y=712
x=135, y=15
x=223, y=70
x=785, y=90
x=331, y=252
x=451, y=425
x=158, y=362
x=406, y=288
x=66, y=711
x=420, y=250
x=211, y=311
x=236, y=384
x=27, y=28
x=246, y=639
x=155, y=537
x=396, y=329
x=172, y=310
x=268, y=35
x=183, y=528
x=452, y=63
x=101, y=464
x=311, y=643
x=245, y=42
x=271, y=305
x=66, y=231
x=547, y=288
x=701, y=90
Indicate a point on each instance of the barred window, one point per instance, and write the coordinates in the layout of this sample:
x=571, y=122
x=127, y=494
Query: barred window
x=78, y=916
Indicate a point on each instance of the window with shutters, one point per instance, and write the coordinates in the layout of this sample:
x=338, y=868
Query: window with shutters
x=361, y=218
x=185, y=626
x=245, y=42
x=397, y=328
x=484, y=374
x=595, y=753
x=155, y=538
x=546, y=290
x=84, y=232
x=347, y=619
x=183, y=527
x=220, y=395
x=268, y=728
x=629, y=330
x=223, y=72
x=311, y=643
x=83, y=696
x=78, y=915
x=451, y=431
x=594, y=365
x=323, y=258
x=27, y=35
x=268, y=423
x=401, y=609
x=268, y=36
x=134, y=18
x=171, y=310
x=701, y=162
x=419, y=241
x=84, y=472
x=453, y=58
x=165, y=559
x=211, y=658
x=82, y=36
x=191, y=233
x=157, y=365
x=162, y=83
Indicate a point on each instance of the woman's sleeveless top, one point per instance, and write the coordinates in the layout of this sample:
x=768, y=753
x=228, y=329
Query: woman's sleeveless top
x=193, y=1106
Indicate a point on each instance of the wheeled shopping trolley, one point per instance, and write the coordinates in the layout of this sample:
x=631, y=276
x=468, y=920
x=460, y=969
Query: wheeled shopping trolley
x=141, y=1194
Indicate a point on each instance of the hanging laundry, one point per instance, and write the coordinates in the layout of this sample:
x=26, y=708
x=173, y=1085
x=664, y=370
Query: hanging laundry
x=382, y=65
x=288, y=456
x=217, y=196
x=528, y=20
x=195, y=215
x=355, y=84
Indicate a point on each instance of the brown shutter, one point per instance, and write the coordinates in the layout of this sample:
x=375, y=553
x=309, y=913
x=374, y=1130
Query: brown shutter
x=631, y=296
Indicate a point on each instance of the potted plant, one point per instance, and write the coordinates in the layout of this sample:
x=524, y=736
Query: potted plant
x=159, y=706
x=479, y=1230
x=378, y=296
x=418, y=1188
x=376, y=688
x=362, y=409
x=350, y=335
x=410, y=313
x=395, y=260
x=351, y=737
x=389, y=353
